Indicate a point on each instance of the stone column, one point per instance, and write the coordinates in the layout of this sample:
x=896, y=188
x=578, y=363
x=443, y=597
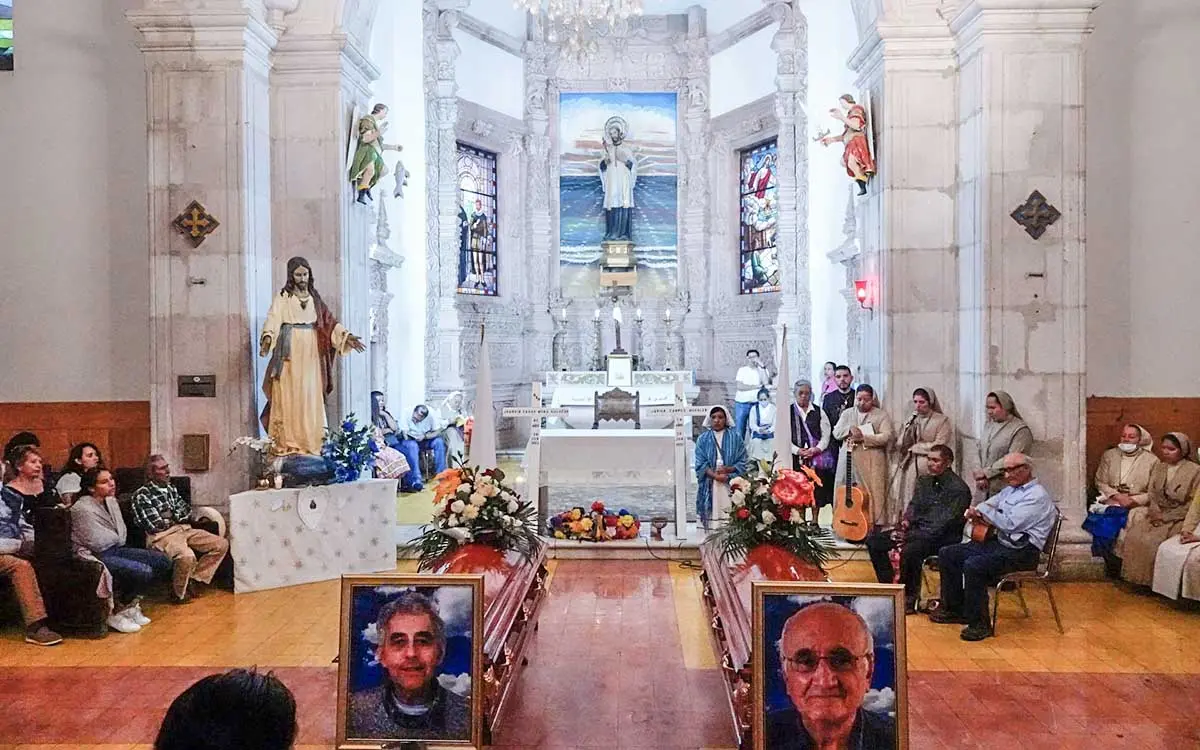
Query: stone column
x=445, y=335
x=539, y=235
x=795, y=305
x=907, y=220
x=695, y=237
x=1021, y=110
x=209, y=141
x=382, y=261
x=320, y=84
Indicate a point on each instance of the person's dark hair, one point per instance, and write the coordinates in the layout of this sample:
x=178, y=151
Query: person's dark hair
x=377, y=408
x=923, y=394
x=18, y=440
x=1168, y=437
x=289, y=286
x=841, y=368
x=238, y=710
x=763, y=390
x=944, y=451
x=830, y=362
x=753, y=351
x=864, y=388
x=412, y=603
x=20, y=453
x=87, y=481
x=75, y=458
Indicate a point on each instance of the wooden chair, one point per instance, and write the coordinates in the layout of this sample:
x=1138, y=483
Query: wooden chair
x=1040, y=575
x=617, y=405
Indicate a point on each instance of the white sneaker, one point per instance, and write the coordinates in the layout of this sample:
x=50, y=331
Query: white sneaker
x=121, y=623
x=136, y=614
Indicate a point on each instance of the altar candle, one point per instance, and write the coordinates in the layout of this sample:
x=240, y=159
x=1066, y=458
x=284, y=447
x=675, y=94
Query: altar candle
x=638, y=314
x=596, y=314
x=667, y=316
x=563, y=313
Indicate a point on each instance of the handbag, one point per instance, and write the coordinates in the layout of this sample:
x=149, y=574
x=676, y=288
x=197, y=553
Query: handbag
x=823, y=461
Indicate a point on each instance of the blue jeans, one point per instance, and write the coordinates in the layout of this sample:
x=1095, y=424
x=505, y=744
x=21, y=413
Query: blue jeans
x=741, y=416
x=134, y=569
x=968, y=569
x=412, y=453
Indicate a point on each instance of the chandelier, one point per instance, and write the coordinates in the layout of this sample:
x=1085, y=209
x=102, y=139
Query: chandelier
x=574, y=24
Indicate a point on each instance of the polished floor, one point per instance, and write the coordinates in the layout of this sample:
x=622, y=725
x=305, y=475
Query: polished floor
x=623, y=660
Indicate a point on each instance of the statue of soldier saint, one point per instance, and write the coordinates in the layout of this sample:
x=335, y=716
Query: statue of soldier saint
x=618, y=175
x=302, y=337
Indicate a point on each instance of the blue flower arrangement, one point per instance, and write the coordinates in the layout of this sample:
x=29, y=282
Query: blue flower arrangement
x=349, y=451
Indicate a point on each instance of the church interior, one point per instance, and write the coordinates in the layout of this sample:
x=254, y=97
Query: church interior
x=756, y=374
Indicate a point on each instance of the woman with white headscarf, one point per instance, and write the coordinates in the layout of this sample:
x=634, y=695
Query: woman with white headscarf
x=867, y=430
x=451, y=414
x=1173, y=484
x=926, y=427
x=720, y=456
x=1005, y=433
x=1124, y=475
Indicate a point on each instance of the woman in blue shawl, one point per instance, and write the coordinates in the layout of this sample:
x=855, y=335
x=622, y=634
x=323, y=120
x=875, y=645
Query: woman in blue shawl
x=720, y=456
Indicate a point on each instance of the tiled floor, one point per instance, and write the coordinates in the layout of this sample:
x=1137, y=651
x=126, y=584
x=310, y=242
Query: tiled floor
x=623, y=659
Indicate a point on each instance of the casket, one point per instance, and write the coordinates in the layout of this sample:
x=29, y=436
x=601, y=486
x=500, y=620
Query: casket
x=513, y=589
x=727, y=588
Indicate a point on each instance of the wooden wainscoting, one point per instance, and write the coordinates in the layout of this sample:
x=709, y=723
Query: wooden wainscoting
x=121, y=429
x=1106, y=415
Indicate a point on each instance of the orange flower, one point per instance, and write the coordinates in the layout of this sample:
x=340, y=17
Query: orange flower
x=447, y=483
x=792, y=489
x=812, y=475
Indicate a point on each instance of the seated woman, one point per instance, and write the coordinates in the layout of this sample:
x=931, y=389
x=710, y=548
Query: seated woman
x=389, y=462
x=455, y=420
x=26, y=482
x=98, y=527
x=1173, y=484
x=421, y=433
x=82, y=457
x=1122, y=484
x=762, y=428
x=1177, y=565
x=381, y=418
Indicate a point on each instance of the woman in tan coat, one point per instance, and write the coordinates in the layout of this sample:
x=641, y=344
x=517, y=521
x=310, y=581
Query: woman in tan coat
x=1005, y=433
x=1124, y=475
x=868, y=430
x=925, y=428
x=1177, y=565
x=1173, y=483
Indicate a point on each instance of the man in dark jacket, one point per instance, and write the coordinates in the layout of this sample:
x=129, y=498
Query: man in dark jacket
x=933, y=519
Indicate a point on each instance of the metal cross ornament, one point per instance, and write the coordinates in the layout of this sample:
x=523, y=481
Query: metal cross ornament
x=1036, y=214
x=195, y=223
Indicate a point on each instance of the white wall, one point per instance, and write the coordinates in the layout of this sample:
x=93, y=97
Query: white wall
x=490, y=76
x=73, y=206
x=1143, y=234
x=743, y=73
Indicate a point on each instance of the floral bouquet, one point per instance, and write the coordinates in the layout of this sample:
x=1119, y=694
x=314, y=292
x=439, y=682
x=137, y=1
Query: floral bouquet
x=598, y=525
x=261, y=447
x=766, y=510
x=349, y=451
x=477, y=507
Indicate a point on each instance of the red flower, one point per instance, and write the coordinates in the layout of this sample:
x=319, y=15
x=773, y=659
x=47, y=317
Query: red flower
x=610, y=520
x=792, y=489
x=742, y=513
x=598, y=507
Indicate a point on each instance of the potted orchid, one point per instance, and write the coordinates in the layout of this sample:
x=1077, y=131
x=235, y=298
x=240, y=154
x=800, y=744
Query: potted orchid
x=261, y=447
x=766, y=512
x=475, y=507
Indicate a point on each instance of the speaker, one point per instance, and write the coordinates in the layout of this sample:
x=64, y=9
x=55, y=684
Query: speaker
x=195, y=453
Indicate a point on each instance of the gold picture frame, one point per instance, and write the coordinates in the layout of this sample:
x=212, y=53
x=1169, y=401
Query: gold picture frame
x=363, y=596
x=775, y=604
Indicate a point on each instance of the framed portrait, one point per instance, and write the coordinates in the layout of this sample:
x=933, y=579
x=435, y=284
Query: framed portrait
x=829, y=666
x=411, y=661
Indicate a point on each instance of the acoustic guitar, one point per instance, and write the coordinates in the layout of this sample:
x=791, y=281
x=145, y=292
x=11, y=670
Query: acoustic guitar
x=850, y=504
x=980, y=531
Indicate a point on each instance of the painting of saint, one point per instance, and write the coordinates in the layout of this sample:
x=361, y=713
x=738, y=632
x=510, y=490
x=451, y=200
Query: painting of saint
x=478, y=265
x=759, y=191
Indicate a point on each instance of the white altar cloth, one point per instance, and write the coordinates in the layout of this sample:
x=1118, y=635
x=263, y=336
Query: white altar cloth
x=613, y=456
x=288, y=537
x=576, y=392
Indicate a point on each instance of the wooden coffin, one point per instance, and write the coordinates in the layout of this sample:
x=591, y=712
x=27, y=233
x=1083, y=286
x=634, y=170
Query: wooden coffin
x=513, y=589
x=727, y=589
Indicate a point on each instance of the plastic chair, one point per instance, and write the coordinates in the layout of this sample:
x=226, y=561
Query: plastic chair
x=1040, y=574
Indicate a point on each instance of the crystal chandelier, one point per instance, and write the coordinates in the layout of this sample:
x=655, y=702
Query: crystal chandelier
x=574, y=24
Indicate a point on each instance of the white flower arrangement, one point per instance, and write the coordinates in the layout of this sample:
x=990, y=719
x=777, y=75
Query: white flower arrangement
x=258, y=445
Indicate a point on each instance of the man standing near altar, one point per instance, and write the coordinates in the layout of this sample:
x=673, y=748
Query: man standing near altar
x=302, y=337
x=750, y=378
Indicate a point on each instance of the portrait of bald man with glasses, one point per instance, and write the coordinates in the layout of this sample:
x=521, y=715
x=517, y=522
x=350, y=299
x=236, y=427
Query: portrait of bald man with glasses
x=828, y=659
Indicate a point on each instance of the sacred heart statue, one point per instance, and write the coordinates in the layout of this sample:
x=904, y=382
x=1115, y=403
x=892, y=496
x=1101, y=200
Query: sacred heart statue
x=311, y=506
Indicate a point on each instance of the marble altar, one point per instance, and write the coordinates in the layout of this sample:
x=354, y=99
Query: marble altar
x=576, y=392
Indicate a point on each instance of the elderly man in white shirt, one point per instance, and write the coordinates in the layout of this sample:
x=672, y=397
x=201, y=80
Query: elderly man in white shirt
x=750, y=378
x=1020, y=518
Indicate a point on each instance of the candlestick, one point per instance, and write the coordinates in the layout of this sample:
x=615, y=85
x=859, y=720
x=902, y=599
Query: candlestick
x=563, y=313
x=667, y=315
x=638, y=315
x=596, y=314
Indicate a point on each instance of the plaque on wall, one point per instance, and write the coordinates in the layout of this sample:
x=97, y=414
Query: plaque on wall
x=195, y=453
x=197, y=386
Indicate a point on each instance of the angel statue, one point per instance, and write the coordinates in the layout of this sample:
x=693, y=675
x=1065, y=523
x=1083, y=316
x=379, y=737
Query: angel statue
x=368, y=166
x=857, y=158
x=618, y=175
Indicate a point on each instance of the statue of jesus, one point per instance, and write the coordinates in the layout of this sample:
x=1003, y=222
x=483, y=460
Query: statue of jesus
x=302, y=337
x=618, y=175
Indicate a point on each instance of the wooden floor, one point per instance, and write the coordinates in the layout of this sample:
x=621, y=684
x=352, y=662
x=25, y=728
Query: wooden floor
x=623, y=660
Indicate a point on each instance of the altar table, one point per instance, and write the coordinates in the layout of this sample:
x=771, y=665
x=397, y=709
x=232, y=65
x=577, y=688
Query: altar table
x=292, y=536
x=614, y=456
x=576, y=392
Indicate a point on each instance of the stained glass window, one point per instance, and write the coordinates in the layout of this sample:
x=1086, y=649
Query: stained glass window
x=478, y=269
x=6, y=34
x=759, y=196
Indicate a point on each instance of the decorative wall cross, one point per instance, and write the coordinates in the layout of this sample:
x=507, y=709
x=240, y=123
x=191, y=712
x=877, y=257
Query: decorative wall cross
x=195, y=223
x=1036, y=214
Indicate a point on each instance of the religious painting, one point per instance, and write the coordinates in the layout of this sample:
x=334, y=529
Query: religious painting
x=411, y=662
x=478, y=267
x=759, y=196
x=618, y=183
x=829, y=666
x=6, y=34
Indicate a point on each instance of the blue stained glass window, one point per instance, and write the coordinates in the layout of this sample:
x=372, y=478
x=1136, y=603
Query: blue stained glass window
x=759, y=198
x=478, y=267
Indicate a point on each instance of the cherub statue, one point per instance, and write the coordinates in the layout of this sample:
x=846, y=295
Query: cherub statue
x=857, y=158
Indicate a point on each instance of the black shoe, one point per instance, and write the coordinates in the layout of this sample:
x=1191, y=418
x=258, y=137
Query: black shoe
x=910, y=606
x=862, y=187
x=975, y=633
x=362, y=197
x=941, y=617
